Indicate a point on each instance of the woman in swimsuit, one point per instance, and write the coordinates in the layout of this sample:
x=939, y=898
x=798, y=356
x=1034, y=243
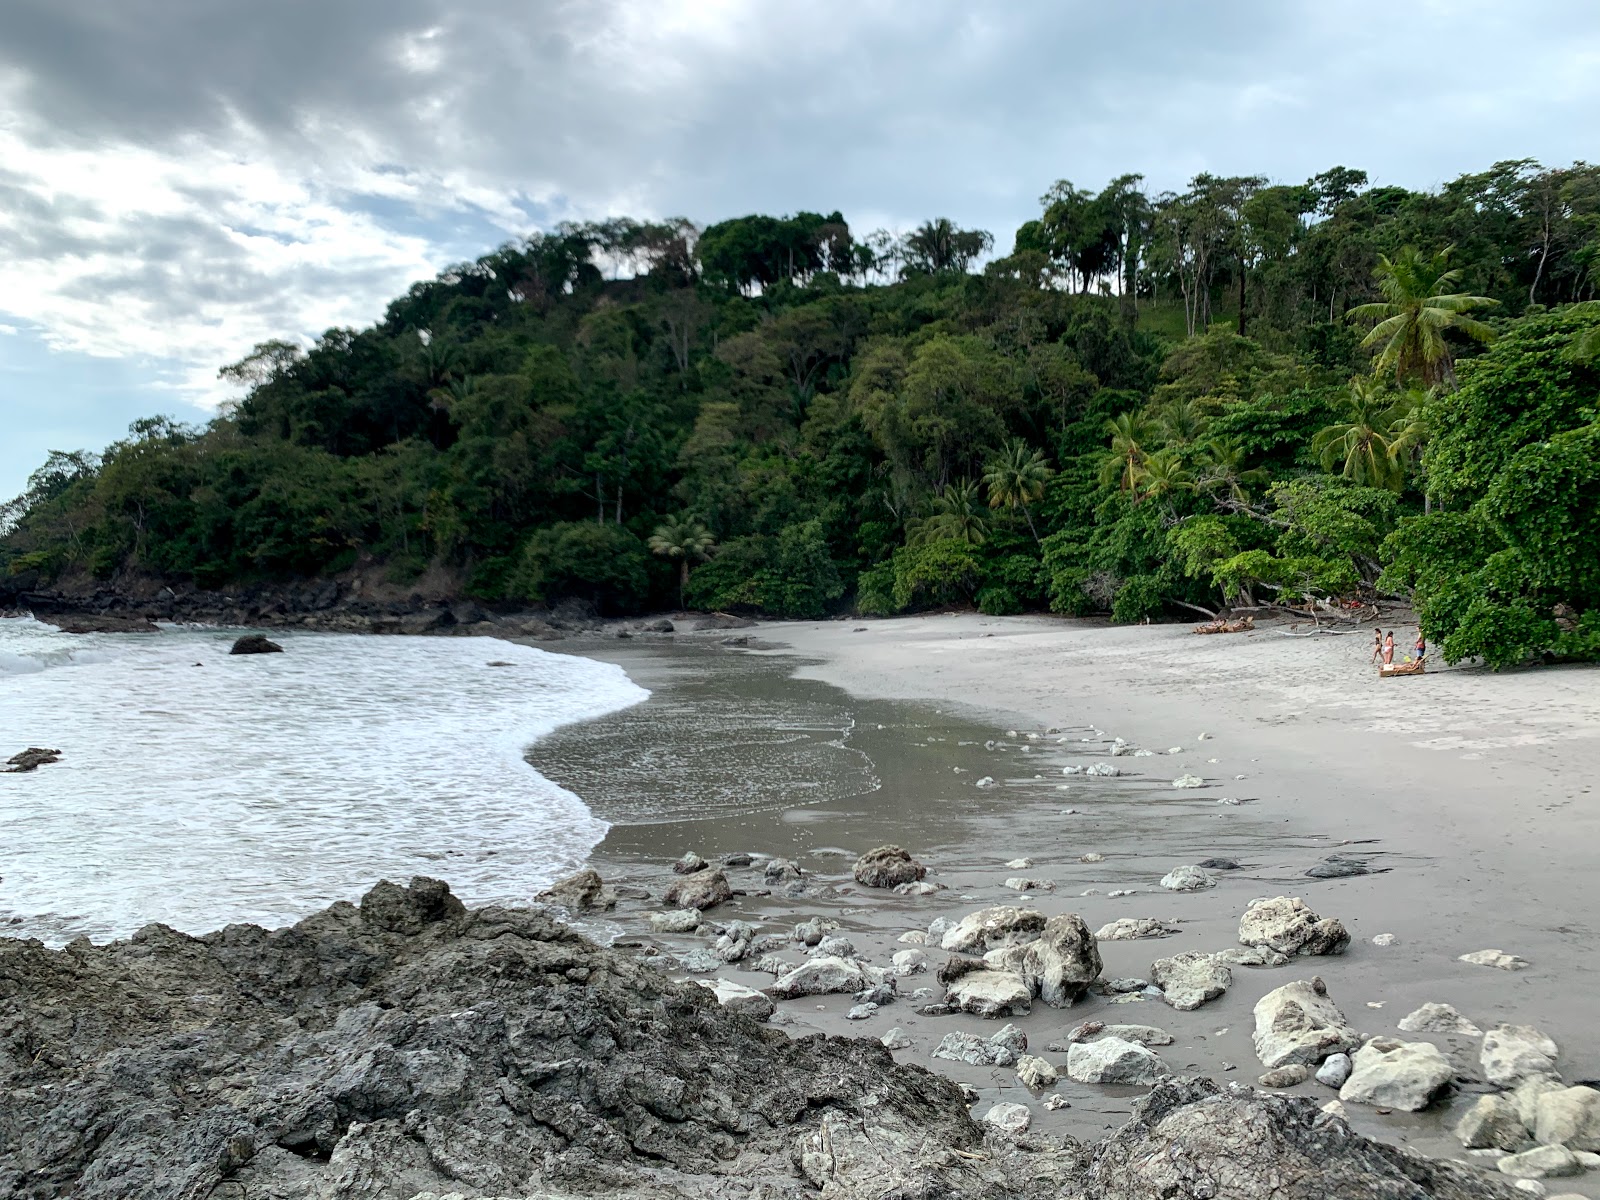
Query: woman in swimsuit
x=1377, y=645
x=1388, y=649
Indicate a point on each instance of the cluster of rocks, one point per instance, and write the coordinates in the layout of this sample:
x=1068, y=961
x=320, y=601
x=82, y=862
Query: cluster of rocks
x=30, y=759
x=1537, y=1127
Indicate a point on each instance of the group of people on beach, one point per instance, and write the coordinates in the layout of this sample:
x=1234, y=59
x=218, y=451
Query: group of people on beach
x=1383, y=647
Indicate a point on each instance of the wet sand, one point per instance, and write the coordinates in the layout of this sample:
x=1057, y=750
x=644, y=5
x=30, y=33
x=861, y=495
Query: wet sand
x=1469, y=793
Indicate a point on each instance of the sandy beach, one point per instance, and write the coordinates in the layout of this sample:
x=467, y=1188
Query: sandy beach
x=1467, y=793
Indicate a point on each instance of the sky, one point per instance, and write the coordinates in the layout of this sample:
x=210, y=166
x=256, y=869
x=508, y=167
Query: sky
x=181, y=179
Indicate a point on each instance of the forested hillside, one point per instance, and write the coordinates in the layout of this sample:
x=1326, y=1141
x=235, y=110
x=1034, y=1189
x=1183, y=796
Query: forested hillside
x=1240, y=394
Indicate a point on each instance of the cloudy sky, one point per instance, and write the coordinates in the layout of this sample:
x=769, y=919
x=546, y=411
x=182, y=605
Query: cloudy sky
x=180, y=179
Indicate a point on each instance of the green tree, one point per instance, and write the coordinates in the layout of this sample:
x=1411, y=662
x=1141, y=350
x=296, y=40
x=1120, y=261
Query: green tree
x=685, y=541
x=1131, y=435
x=1360, y=447
x=1017, y=478
x=1415, y=314
x=956, y=516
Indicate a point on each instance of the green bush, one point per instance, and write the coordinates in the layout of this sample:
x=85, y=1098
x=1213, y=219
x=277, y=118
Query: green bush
x=604, y=564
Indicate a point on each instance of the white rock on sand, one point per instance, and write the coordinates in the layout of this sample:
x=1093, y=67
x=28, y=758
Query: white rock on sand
x=1286, y=925
x=1010, y=1119
x=1189, y=980
x=988, y=928
x=1394, y=1074
x=1127, y=929
x=819, y=977
x=1035, y=1072
x=1299, y=1024
x=1063, y=961
x=991, y=994
x=1569, y=1117
x=1112, y=1060
x=1188, y=879
x=1495, y=958
x=1513, y=1053
x=1438, y=1018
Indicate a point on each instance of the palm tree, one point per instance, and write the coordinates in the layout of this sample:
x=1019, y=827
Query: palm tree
x=957, y=515
x=1164, y=473
x=1362, y=444
x=1417, y=309
x=1130, y=434
x=1182, y=422
x=1222, y=469
x=686, y=540
x=1016, y=479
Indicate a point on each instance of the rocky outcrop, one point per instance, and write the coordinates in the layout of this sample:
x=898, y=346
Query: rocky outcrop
x=255, y=643
x=989, y=993
x=1395, y=1074
x=991, y=928
x=887, y=867
x=1299, y=1024
x=1064, y=960
x=702, y=890
x=30, y=759
x=1286, y=925
x=1191, y=1138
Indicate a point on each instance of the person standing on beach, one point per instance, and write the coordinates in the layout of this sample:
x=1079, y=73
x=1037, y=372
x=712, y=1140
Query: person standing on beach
x=1377, y=645
x=1421, y=646
x=1388, y=649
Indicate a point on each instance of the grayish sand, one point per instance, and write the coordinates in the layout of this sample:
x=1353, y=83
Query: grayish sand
x=1472, y=792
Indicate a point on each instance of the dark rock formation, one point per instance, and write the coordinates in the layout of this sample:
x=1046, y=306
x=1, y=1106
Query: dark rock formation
x=702, y=890
x=887, y=867
x=254, y=643
x=98, y=623
x=581, y=892
x=30, y=759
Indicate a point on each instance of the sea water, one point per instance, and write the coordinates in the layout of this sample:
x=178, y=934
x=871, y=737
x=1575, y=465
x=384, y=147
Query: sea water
x=198, y=788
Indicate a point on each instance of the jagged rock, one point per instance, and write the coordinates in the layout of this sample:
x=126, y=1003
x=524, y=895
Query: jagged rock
x=1125, y=929
x=1335, y=1070
x=1287, y=925
x=1394, y=1074
x=1112, y=1060
x=1542, y=1162
x=1019, y=884
x=1010, y=1119
x=255, y=643
x=1004, y=1049
x=1187, y=879
x=1035, y=1072
x=1191, y=1138
x=689, y=864
x=582, y=892
x=887, y=867
x=991, y=994
x=1438, y=1018
x=735, y=997
x=1299, y=1023
x=1063, y=961
x=1089, y=1031
x=702, y=890
x=1513, y=1053
x=1498, y=959
x=861, y=1012
x=1569, y=1117
x=679, y=920
x=781, y=870
x=1492, y=1121
x=989, y=928
x=1285, y=1077
x=834, y=946
x=811, y=933
x=1188, y=980
x=818, y=977
x=896, y=1039
x=908, y=962
x=30, y=759
x=1019, y=864
x=920, y=887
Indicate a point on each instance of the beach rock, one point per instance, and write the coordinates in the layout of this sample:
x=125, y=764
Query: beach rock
x=1492, y=1122
x=1338, y=867
x=920, y=887
x=1188, y=780
x=1498, y=959
x=1526, y=1097
x=861, y=1012
x=1034, y=1072
x=1250, y=956
x=913, y=937
x=1009, y=1119
x=879, y=993
x=1063, y=961
x=834, y=946
x=1393, y=1074
x=1514, y=1053
x=1019, y=864
x=1125, y=929
x=986, y=782
x=689, y=864
x=255, y=643
x=811, y=933
x=1187, y=879
x=1008, y=958
x=991, y=994
x=1385, y=939
x=1192, y=1138
x=1004, y=1049
x=679, y=920
x=1285, y=1077
x=1287, y=925
x=735, y=997
x=908, y=962
x=1569, y=1117
x=1089, y=1031
x=1438, y=1018
x=781, y=870
x=989, y=928
x=1335, y=1070
x=1219, y=864
x=584, y=891
x=887, y=867
x=1020, y=884
x=1113, y=987
x=1105, y=770
x=1299, y=1023
x=1091, y=857
x=1188, y=980
x=30, y=759
x=818, y=977
x=698, y=961
x=702, y=890
x=1114, y=1061
x=1542, y=1162
x=896, y=1039
x=738, y=860
x=734, y=942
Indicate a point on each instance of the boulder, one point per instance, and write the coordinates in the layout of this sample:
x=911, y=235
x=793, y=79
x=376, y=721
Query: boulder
x=702, y=890
x=255, y=643
x=896, y=1039
x=679, y=920
x=1127, y=929
x=1188, y=879
x=1526, y=1097
x=1285, y=1077
x=1497, y=959
x=1299, y=1023
x=689, y=864
x=1513, y=1053
x=1492, y=1123
x=781, y=870
x=1287, y=925
x=735, y=997
x=991, y=994
x=834, y=946
x=1438, y=1018
x=1009, y=1119
x=1018, y=883
x=887, y=867
x=1542, y=1162
x=818, y=977
x=1063, y=961
x=1004, y=1049
x=908, y=962
x=1112, y=1060
x=1035, y=1072
x=811, y=933
x=1188, y=980
x=582, y=892
x=989, y=928
x=1569, y=1117
x=1090, y=1031
x=1393, y=1074
x=1334, y=1070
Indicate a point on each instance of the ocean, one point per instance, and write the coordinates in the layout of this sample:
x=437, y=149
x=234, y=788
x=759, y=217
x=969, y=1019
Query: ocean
x=199, y=789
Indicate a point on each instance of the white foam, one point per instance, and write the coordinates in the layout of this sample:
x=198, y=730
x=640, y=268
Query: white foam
x=261, y=788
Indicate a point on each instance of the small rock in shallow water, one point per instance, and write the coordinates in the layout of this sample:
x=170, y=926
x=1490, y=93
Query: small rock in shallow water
x=679, y=920
x=887, y=867
x=689, y=864
x=30, y=759
x=920, y=887
x=737, y=860
x=1337, y=867
x=1219, y=864
x=1498, y=959
x=1019, y=884
x=702, y=890
x=1035, y=1072
x=581, y=892
x=254, y=643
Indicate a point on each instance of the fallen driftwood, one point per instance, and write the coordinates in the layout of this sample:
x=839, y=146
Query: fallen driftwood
x=1221, y=625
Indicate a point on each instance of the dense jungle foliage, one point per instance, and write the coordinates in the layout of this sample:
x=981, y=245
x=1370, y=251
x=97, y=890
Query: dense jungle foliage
x=1235, y=395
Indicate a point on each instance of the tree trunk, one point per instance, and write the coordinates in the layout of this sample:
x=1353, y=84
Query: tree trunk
x=683, y=579
x=599, y=498
x=1242, y=278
